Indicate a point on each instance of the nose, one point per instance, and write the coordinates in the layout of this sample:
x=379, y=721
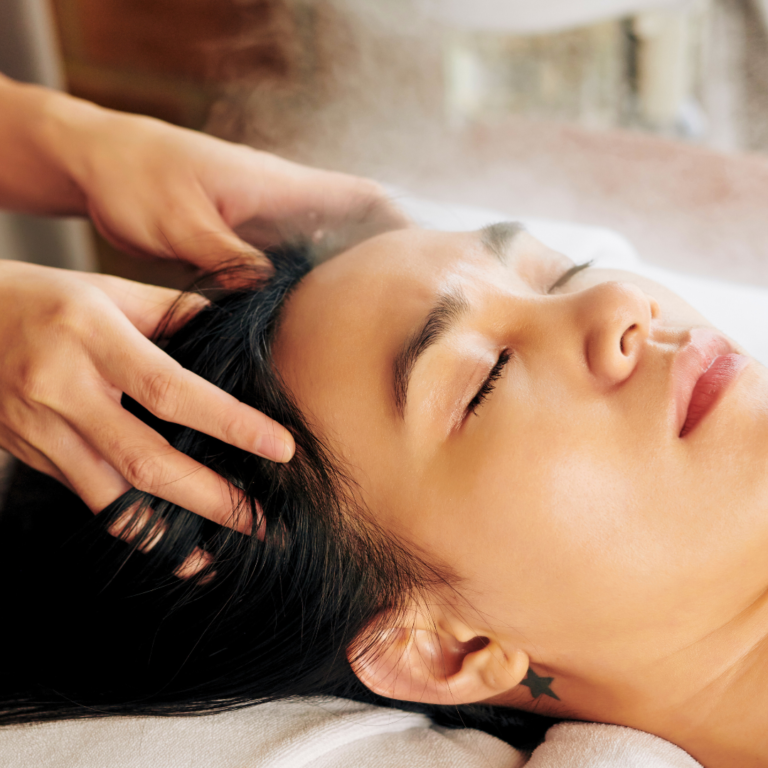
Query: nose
x=615, y=319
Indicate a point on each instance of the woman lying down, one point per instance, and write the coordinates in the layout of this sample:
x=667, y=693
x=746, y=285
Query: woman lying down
x=525, y=490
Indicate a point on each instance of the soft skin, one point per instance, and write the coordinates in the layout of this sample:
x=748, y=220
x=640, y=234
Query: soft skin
x=591, y=541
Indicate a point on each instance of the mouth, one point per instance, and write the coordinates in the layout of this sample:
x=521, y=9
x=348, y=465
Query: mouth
x=703, y=370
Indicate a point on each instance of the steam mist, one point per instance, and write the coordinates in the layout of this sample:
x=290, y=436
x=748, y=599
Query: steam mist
x=360, y=86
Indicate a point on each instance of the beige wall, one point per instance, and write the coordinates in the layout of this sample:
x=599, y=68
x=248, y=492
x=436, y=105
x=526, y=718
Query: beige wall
x=166, y=58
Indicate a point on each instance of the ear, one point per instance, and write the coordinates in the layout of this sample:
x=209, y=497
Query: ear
x=436, y=662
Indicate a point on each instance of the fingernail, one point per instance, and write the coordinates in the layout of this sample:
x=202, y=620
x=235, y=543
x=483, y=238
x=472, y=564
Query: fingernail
x=275, y=448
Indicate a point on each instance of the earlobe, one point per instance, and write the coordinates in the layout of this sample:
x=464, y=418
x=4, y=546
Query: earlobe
x=435, y=667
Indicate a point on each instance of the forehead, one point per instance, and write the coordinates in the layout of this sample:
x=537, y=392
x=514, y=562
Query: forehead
x=342, y=327
x=406, y=265
x=347, y=318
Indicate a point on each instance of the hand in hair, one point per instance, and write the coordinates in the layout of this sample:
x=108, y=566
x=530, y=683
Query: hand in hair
x=70, y=345
x=156, y=190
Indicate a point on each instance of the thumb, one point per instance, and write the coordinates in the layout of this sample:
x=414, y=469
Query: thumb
x=196, y=233
x=215, y=248
x=233, y=262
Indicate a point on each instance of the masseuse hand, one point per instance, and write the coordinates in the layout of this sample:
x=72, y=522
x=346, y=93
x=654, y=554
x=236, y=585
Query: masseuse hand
x=156, y=190
x=70, y=344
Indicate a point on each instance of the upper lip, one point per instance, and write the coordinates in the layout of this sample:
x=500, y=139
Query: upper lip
x=695, y=357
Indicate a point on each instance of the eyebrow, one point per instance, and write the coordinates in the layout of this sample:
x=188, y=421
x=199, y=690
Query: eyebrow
x=498, y=238
x=446, y=313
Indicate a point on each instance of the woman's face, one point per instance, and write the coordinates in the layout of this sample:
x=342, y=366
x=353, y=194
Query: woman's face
x=526, y=430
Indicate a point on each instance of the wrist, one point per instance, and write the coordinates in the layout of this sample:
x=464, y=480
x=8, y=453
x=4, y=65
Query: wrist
x=38, y=141
x=64, y=134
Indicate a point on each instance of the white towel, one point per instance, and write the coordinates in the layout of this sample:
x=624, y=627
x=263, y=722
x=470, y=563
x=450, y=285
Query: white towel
x=313, y=733
x=319, y=733
x=592, y=745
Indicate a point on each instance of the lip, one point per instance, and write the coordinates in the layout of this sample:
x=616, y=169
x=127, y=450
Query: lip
x=703, y=369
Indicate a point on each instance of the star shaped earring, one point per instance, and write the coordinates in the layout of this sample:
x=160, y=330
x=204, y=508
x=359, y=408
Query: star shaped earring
x=539, y=685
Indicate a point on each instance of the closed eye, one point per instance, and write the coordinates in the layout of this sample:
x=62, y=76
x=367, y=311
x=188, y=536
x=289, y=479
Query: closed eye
x=568, y=274
x=490, y=383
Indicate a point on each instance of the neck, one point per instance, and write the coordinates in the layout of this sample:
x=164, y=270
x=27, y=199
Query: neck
x=709, y=697
x=714, y=695
x=725, y=725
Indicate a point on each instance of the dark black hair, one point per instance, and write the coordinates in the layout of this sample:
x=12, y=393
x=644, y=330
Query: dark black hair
x=99, y=626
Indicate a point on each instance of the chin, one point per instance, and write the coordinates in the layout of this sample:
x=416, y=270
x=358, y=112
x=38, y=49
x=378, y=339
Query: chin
x=735, y=436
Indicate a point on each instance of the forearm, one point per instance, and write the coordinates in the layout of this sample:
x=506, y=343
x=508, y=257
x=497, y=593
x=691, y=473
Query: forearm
x=42, y=135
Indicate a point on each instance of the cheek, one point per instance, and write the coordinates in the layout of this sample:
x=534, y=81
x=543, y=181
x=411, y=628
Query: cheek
x=572, y=535
x=561, y=521
x=547, y=519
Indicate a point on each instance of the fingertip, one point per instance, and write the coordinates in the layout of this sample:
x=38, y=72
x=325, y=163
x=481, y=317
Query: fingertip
x=289, y=447
x=221, y=250
x=234, y=249
x=278, y=448
x=260, y=531
x=197, y=561
x=248, y=256
x=238, y=268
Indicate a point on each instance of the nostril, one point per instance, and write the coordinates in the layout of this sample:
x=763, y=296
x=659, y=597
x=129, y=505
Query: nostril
x=624, y=336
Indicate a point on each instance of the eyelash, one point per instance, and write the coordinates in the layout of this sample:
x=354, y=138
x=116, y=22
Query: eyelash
x=568, y=274
x=490, y=383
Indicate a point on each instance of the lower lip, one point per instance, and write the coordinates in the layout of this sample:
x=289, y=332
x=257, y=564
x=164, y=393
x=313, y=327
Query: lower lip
x=713, y=382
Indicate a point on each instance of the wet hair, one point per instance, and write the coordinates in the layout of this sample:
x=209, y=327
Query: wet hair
x=99, y=626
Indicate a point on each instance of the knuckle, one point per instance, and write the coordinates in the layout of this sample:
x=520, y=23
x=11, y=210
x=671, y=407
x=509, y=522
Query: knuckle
x=143, y=471
x=234, y=432
x=73, y=315
x=32, y=382
x=65, y=327
x=160, y=392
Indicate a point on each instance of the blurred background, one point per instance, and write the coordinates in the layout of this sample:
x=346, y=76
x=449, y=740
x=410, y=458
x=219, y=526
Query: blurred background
x=537, y=108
